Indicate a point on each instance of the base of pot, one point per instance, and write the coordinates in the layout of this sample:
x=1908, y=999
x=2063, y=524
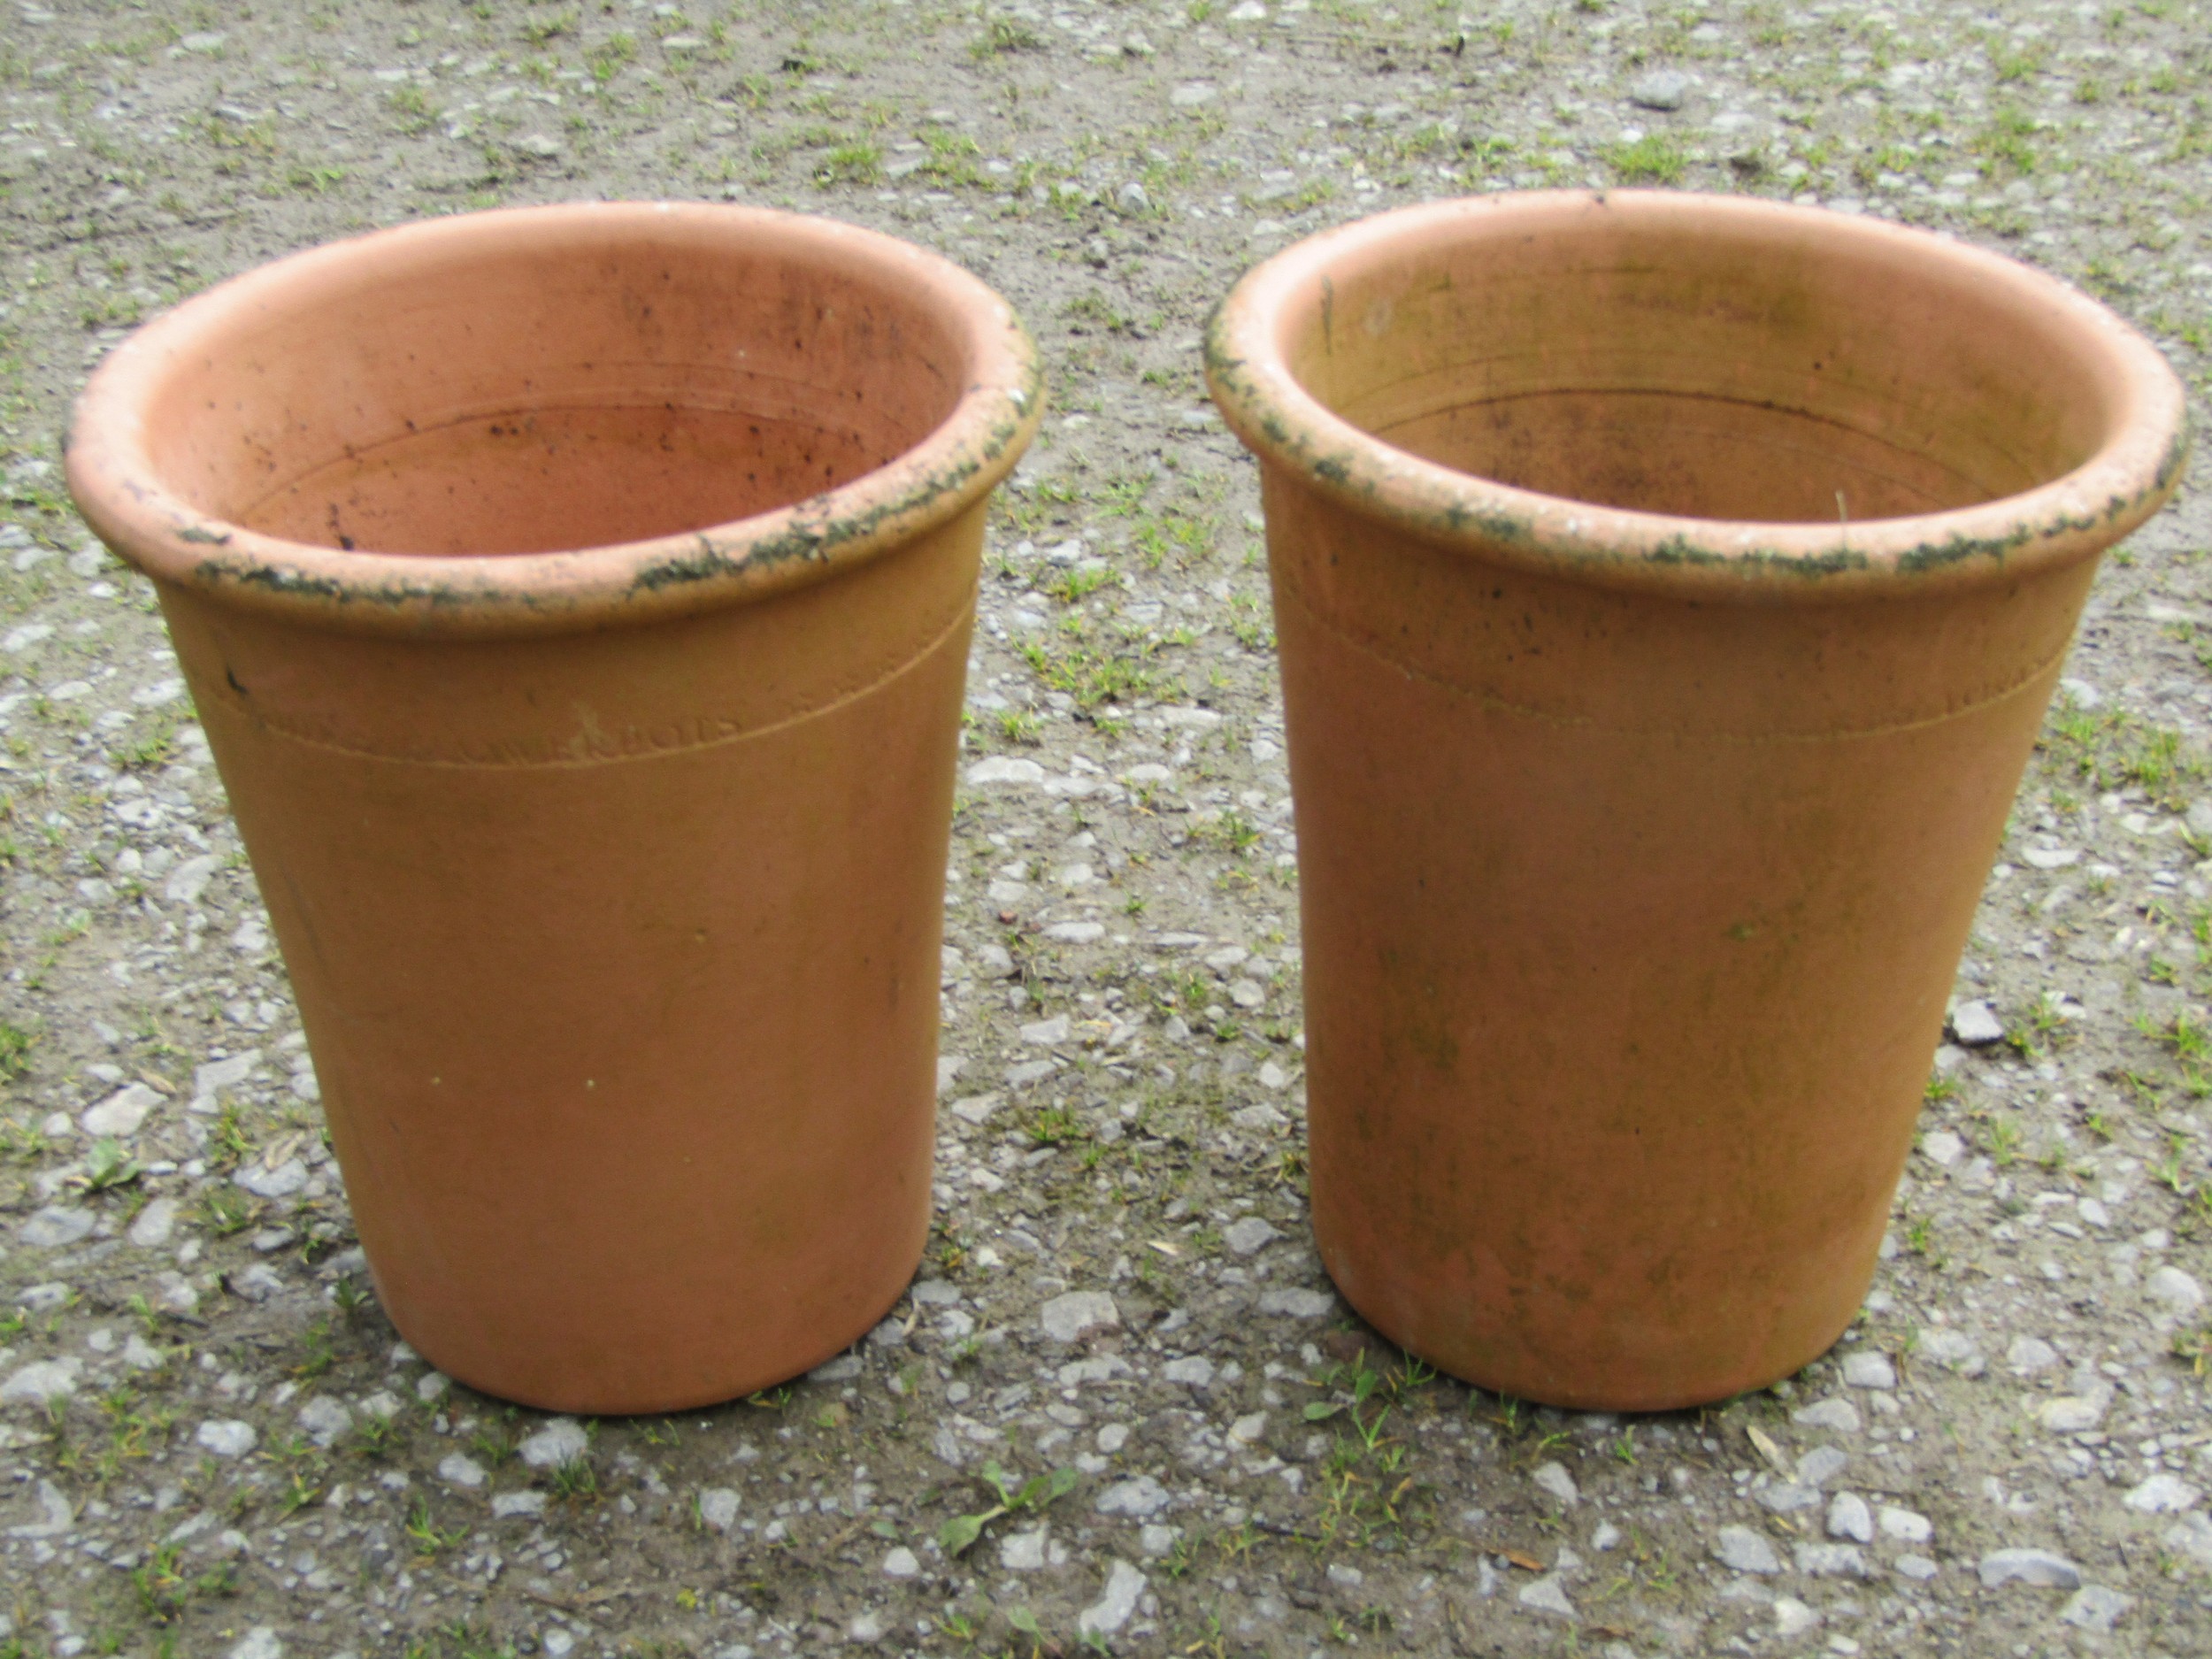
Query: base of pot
x=1590, y=1387
x=739, y=1382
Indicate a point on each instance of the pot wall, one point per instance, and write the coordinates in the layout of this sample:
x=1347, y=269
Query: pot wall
x=1668, y=590
x=1628, y=937
x=617, y=954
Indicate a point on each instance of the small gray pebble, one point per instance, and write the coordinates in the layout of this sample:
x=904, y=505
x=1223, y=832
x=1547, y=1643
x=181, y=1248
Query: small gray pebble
x=227, y=1437
x=1819, y=1466
x=1787, y=1496
x=1662, y=89
x=1838, y=1414
x=2029, y=1566
x=2094, y=1607
x=1869, y=1370
x=1975, y=1026
x=1744, y=1550
x=1830, y=1561
x=1140, y=1499
x=1849, y=1517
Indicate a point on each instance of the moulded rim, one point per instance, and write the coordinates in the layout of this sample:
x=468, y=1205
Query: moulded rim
x=2073, y=516
x=120, y=491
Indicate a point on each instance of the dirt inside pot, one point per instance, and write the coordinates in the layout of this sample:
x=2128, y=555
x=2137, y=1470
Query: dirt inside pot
x=1725, y=379
x=543, y=479
x=1691, y=456
x=556, y=399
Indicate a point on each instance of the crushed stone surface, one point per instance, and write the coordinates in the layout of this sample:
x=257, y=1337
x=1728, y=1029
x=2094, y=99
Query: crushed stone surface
x=211, y=1441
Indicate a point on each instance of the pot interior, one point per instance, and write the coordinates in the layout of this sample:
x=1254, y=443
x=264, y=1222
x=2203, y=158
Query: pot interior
x=500, y=394
x=1778, y=373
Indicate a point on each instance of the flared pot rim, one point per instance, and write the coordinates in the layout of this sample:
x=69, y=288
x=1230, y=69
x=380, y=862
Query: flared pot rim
x=2073, y=516
x=118, y=487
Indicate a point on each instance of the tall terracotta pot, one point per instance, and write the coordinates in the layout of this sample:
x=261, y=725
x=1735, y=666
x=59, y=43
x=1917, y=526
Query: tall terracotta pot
x=577, y=600
x=1669, y=590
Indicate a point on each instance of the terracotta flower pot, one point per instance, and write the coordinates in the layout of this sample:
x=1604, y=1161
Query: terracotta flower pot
x=1669, y=590
x=577, y=600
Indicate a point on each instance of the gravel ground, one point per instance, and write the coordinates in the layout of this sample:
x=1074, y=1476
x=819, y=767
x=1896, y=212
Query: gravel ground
x=1121, y=1361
